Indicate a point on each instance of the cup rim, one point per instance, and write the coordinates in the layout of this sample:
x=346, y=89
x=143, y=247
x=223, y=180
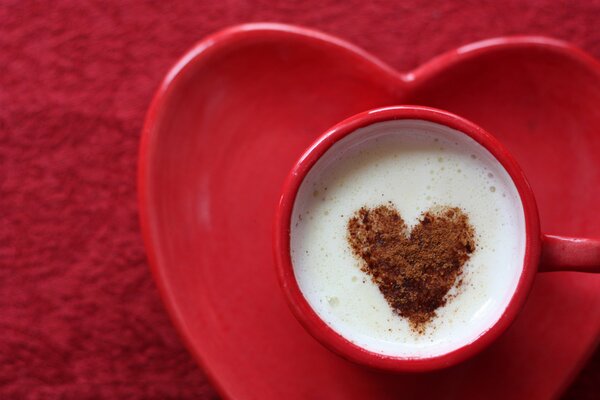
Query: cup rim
x=319, y=328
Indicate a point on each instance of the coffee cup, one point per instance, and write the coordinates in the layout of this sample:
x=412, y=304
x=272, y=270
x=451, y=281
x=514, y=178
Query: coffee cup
x=407, y=239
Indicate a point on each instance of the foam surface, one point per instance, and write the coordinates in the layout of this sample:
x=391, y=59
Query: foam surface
x=416, y=165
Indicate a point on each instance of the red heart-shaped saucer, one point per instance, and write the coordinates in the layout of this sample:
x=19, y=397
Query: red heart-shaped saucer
x=226, y=126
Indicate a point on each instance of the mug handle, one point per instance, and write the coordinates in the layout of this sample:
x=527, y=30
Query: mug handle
x=561, y=253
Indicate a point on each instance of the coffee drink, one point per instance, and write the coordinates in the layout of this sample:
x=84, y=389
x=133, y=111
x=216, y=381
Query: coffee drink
x=408, y=238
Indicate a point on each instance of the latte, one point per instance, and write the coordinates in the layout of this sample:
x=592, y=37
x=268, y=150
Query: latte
x=411, y=166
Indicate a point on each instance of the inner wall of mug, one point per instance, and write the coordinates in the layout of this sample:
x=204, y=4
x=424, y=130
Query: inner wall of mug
x=416, y=165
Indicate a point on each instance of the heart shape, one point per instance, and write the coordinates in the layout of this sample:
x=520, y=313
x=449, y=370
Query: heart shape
x=233, y=116
x=413, y=270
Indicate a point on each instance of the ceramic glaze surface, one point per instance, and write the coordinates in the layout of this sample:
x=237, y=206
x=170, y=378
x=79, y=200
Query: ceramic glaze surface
x=238, y=110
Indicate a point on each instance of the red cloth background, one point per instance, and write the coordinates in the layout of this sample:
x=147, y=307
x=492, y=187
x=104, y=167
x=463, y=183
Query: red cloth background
x=79, y=314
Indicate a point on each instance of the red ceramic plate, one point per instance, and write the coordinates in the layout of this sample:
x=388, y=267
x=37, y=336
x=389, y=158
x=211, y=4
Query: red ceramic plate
x=226, y=126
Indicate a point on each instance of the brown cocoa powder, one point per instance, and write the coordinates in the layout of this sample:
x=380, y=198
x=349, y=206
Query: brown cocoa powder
x=413, y=270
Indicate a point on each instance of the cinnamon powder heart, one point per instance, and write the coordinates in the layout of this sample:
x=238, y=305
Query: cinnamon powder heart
x=413, y=270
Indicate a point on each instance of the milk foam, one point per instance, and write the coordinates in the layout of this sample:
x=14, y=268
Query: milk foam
x=416, y=165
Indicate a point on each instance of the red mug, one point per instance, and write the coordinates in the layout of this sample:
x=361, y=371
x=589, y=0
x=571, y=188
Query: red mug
x=543, y=253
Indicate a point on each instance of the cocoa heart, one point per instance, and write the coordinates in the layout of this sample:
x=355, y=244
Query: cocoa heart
x=413, y=270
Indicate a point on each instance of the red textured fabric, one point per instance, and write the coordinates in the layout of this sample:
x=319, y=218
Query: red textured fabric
x=79, y=314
